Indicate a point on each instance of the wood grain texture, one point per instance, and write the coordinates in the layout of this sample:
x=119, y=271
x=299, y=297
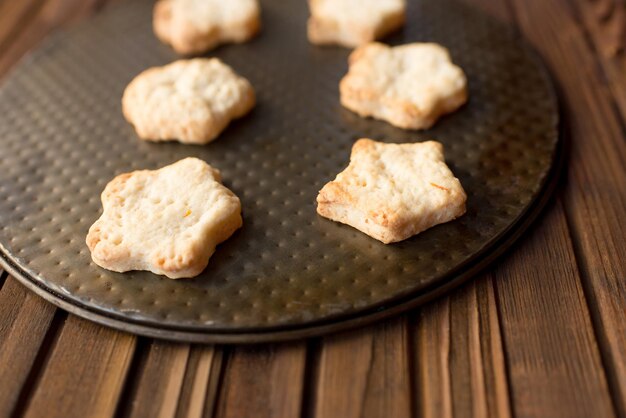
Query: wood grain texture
x=365, y=373
x=198, y=394
x=553, y=359
x=605, y=22
x=173, y=380
x=85, y=373
x=159, y=381
x=24, y=321
x=595, y=197
x=459, y=358
x=432, y=351
x=265, y=381
x=14, y=15
x=43, y=19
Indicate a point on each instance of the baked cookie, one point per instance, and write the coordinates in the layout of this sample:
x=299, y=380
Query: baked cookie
x=191, y=101
x=196, y=26
x=393, y=191
x=167, y=221
x=354, y=22
x=409, y=86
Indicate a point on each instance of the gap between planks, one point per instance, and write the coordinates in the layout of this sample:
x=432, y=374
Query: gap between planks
x=27, y=331
x=364, y=373
x=3, y=277
x=264, y=380
x=89, y=363
x=459, y=359
x=172, y=380
x=446, y=361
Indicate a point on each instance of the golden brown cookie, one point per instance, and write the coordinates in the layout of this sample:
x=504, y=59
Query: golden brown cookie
x=197, y=26
x=167, y=221
x=191, y=101
x=393, y=191
x=409, y=86
x=353, y=22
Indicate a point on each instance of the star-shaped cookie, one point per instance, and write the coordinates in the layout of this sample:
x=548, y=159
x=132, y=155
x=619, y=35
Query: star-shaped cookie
x=409, y=86
x=167, y=221
x=197, y=26
x=393, y=191
x=191, y=101
x=354, y=22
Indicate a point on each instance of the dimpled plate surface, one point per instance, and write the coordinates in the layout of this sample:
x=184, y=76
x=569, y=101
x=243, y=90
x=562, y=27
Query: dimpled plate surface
x=63, y=138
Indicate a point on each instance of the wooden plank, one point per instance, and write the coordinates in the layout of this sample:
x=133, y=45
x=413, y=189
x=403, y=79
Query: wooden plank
x=365, y=373
x=159, y=381
x=14, y=15
x=24, y=322
x=460, y=364
x=595, y=199
x=84, y=374
x=173, y=380
x=432, y=351
x=605, y=21
x=554, y=364
x=53, y=14
x=200, y=386
x=265, y=381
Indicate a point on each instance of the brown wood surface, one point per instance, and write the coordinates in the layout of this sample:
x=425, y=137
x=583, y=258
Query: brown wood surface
x=458, y=356
x=559, y=345
x=266, y=381
x=604, y=23
x=542, y=334
x=159, y=380
x=24, y=322
x=83, y=373
x=595, y=196
x=202, y=378
x=374, y=365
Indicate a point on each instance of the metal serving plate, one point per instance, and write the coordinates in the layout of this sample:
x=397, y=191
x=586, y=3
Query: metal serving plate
x=288, y=273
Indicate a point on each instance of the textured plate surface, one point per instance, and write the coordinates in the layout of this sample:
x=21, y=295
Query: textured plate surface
x=63, y=138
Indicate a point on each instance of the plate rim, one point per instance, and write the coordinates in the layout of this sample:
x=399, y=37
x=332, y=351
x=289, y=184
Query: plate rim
x=398, y=304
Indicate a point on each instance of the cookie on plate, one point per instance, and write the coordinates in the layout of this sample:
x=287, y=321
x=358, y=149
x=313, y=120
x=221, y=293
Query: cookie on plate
x=409, y=86
x=191, y=101
x=354, y=22
x=393, y=191
x=197, y=26
x=167, y=221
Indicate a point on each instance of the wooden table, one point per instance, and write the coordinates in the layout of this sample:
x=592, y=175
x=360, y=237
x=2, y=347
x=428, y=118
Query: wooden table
x=541, y=334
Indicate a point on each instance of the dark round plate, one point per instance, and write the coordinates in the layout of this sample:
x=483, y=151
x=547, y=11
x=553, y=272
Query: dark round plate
x=288, y=273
